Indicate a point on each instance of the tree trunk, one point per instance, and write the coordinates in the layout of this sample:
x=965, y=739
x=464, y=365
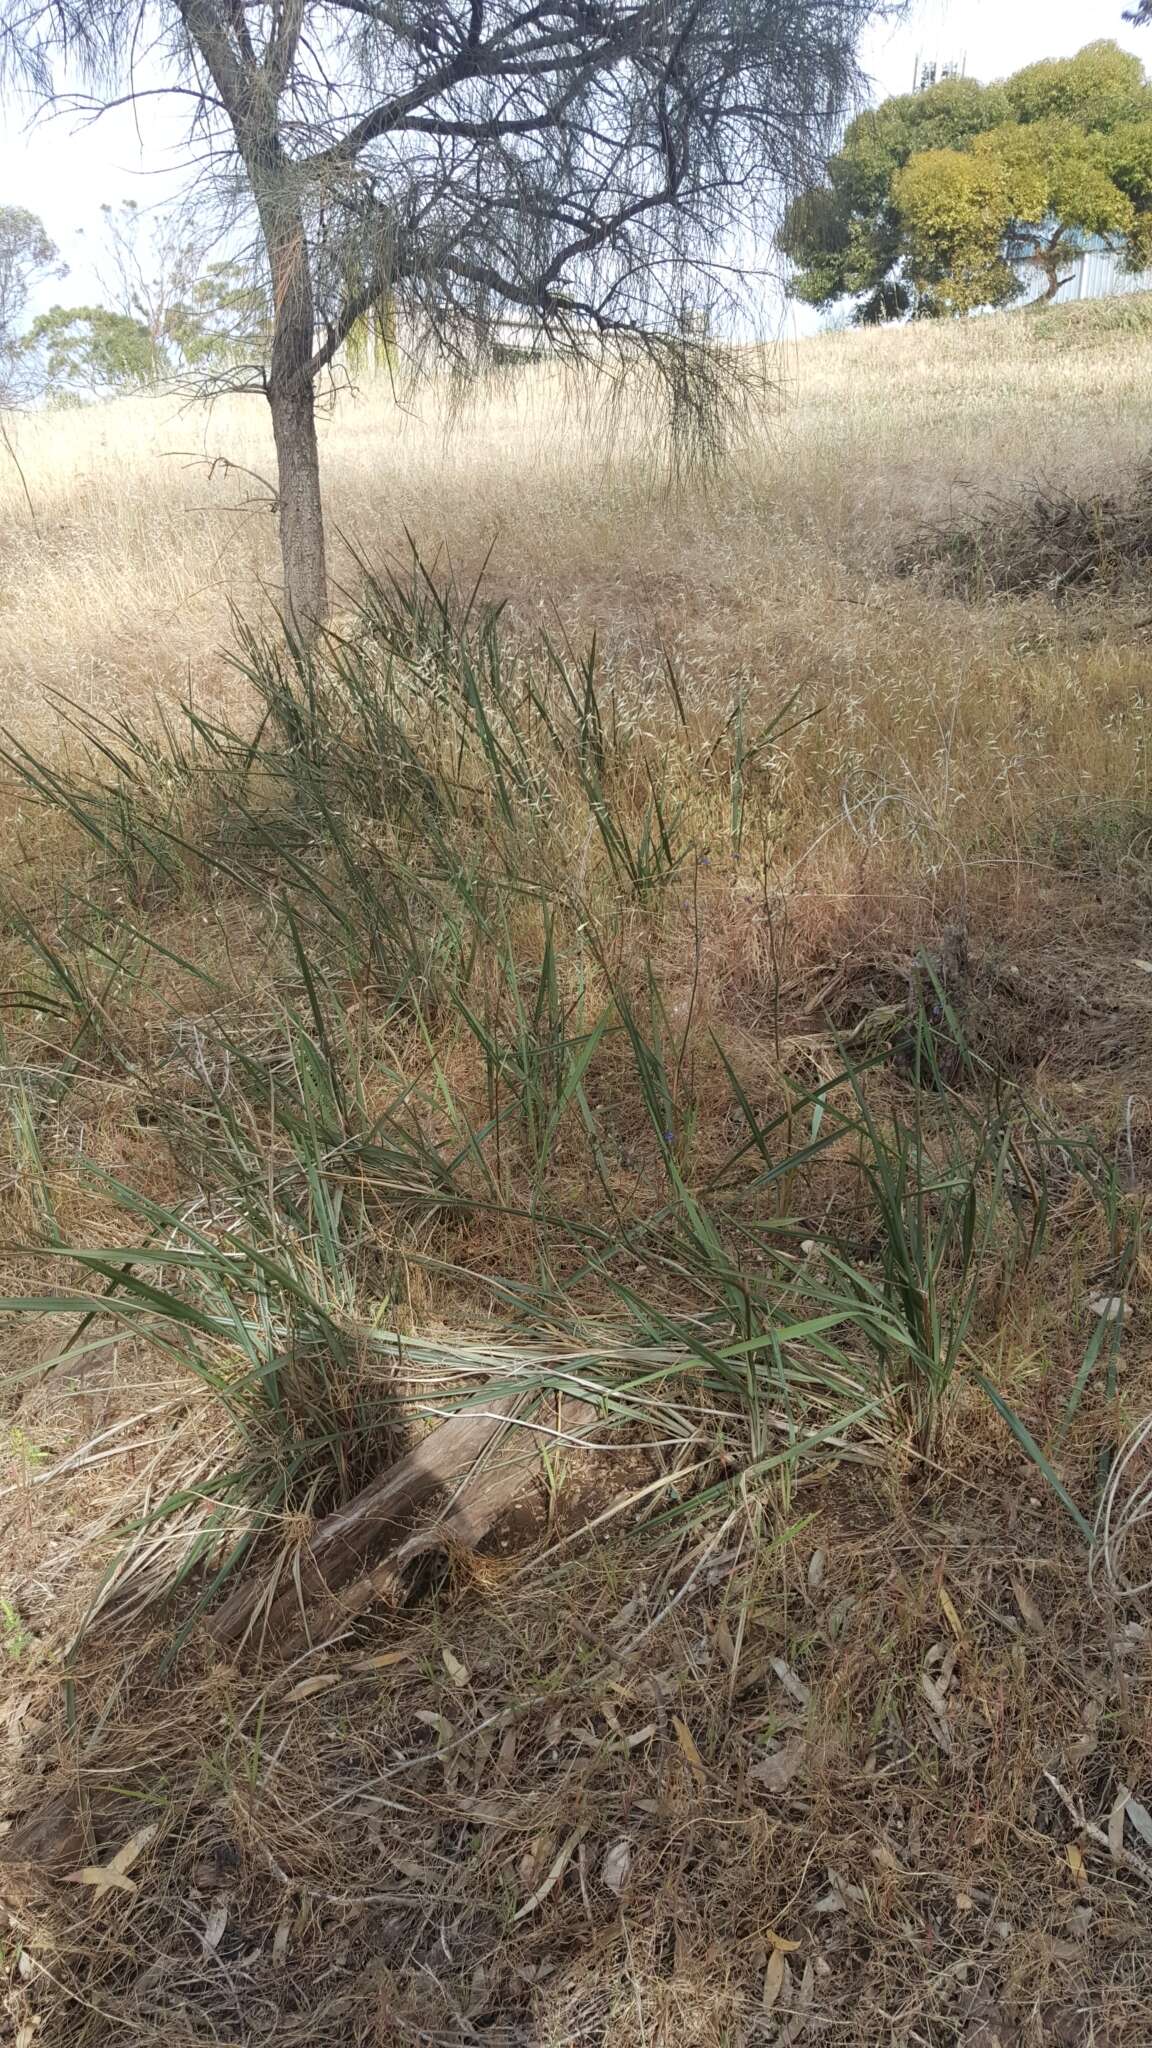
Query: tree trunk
x=1048, y=259
x=249, y=92
x=301, y=516
x=292, y=398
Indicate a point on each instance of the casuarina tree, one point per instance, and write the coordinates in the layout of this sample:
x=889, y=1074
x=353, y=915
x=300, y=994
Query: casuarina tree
x=942, y=200
x=590, y=168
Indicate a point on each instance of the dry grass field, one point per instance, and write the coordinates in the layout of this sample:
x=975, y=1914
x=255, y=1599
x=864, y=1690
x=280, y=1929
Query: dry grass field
x=775, y=576
x=676, y=963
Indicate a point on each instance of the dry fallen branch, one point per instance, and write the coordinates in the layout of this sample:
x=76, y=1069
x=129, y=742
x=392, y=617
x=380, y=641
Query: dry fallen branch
x=446, y=1493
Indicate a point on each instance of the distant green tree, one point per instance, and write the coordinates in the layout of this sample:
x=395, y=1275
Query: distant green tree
x=27, y=255
x=938, y=200
x=171, y=313
x=91, y=349
x=845, y=235
x=200, y=315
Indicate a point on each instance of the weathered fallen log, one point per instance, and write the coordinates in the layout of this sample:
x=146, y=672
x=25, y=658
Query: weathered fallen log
x=445, y=1493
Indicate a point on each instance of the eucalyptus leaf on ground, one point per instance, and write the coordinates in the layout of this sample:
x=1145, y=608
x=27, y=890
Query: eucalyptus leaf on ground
x=617, y=1866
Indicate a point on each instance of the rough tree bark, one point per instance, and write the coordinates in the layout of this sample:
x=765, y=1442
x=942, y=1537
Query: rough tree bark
x=300, y=512
x=249, y=93
x=292, y=400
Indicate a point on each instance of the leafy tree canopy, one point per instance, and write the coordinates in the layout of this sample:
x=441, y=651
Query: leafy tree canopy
x=168, y=311
x=91, y=349
x=938, y=200
x=27, y=255
x=202, y=314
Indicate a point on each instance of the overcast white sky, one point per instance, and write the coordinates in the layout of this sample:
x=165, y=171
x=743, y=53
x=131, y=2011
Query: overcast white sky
x=64, y=174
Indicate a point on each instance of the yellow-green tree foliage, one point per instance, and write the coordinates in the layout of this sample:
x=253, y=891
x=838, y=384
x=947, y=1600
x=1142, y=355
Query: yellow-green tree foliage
x=941, y=201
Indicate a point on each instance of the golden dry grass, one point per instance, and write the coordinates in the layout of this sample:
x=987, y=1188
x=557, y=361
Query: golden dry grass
x=776, y=575
x=413, y=1850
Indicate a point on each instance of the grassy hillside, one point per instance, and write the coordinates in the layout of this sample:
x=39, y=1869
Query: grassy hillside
x=669, y=975
x=778, y=573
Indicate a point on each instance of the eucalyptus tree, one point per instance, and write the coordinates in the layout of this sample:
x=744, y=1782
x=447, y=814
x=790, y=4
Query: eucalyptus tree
x=27, y=257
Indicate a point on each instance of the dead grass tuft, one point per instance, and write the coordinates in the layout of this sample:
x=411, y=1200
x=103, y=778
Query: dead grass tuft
x=1053, y=539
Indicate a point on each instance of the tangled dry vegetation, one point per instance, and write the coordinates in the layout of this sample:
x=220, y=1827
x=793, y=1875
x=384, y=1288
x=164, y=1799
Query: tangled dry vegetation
x=1050, y=539
x=720, y=1053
